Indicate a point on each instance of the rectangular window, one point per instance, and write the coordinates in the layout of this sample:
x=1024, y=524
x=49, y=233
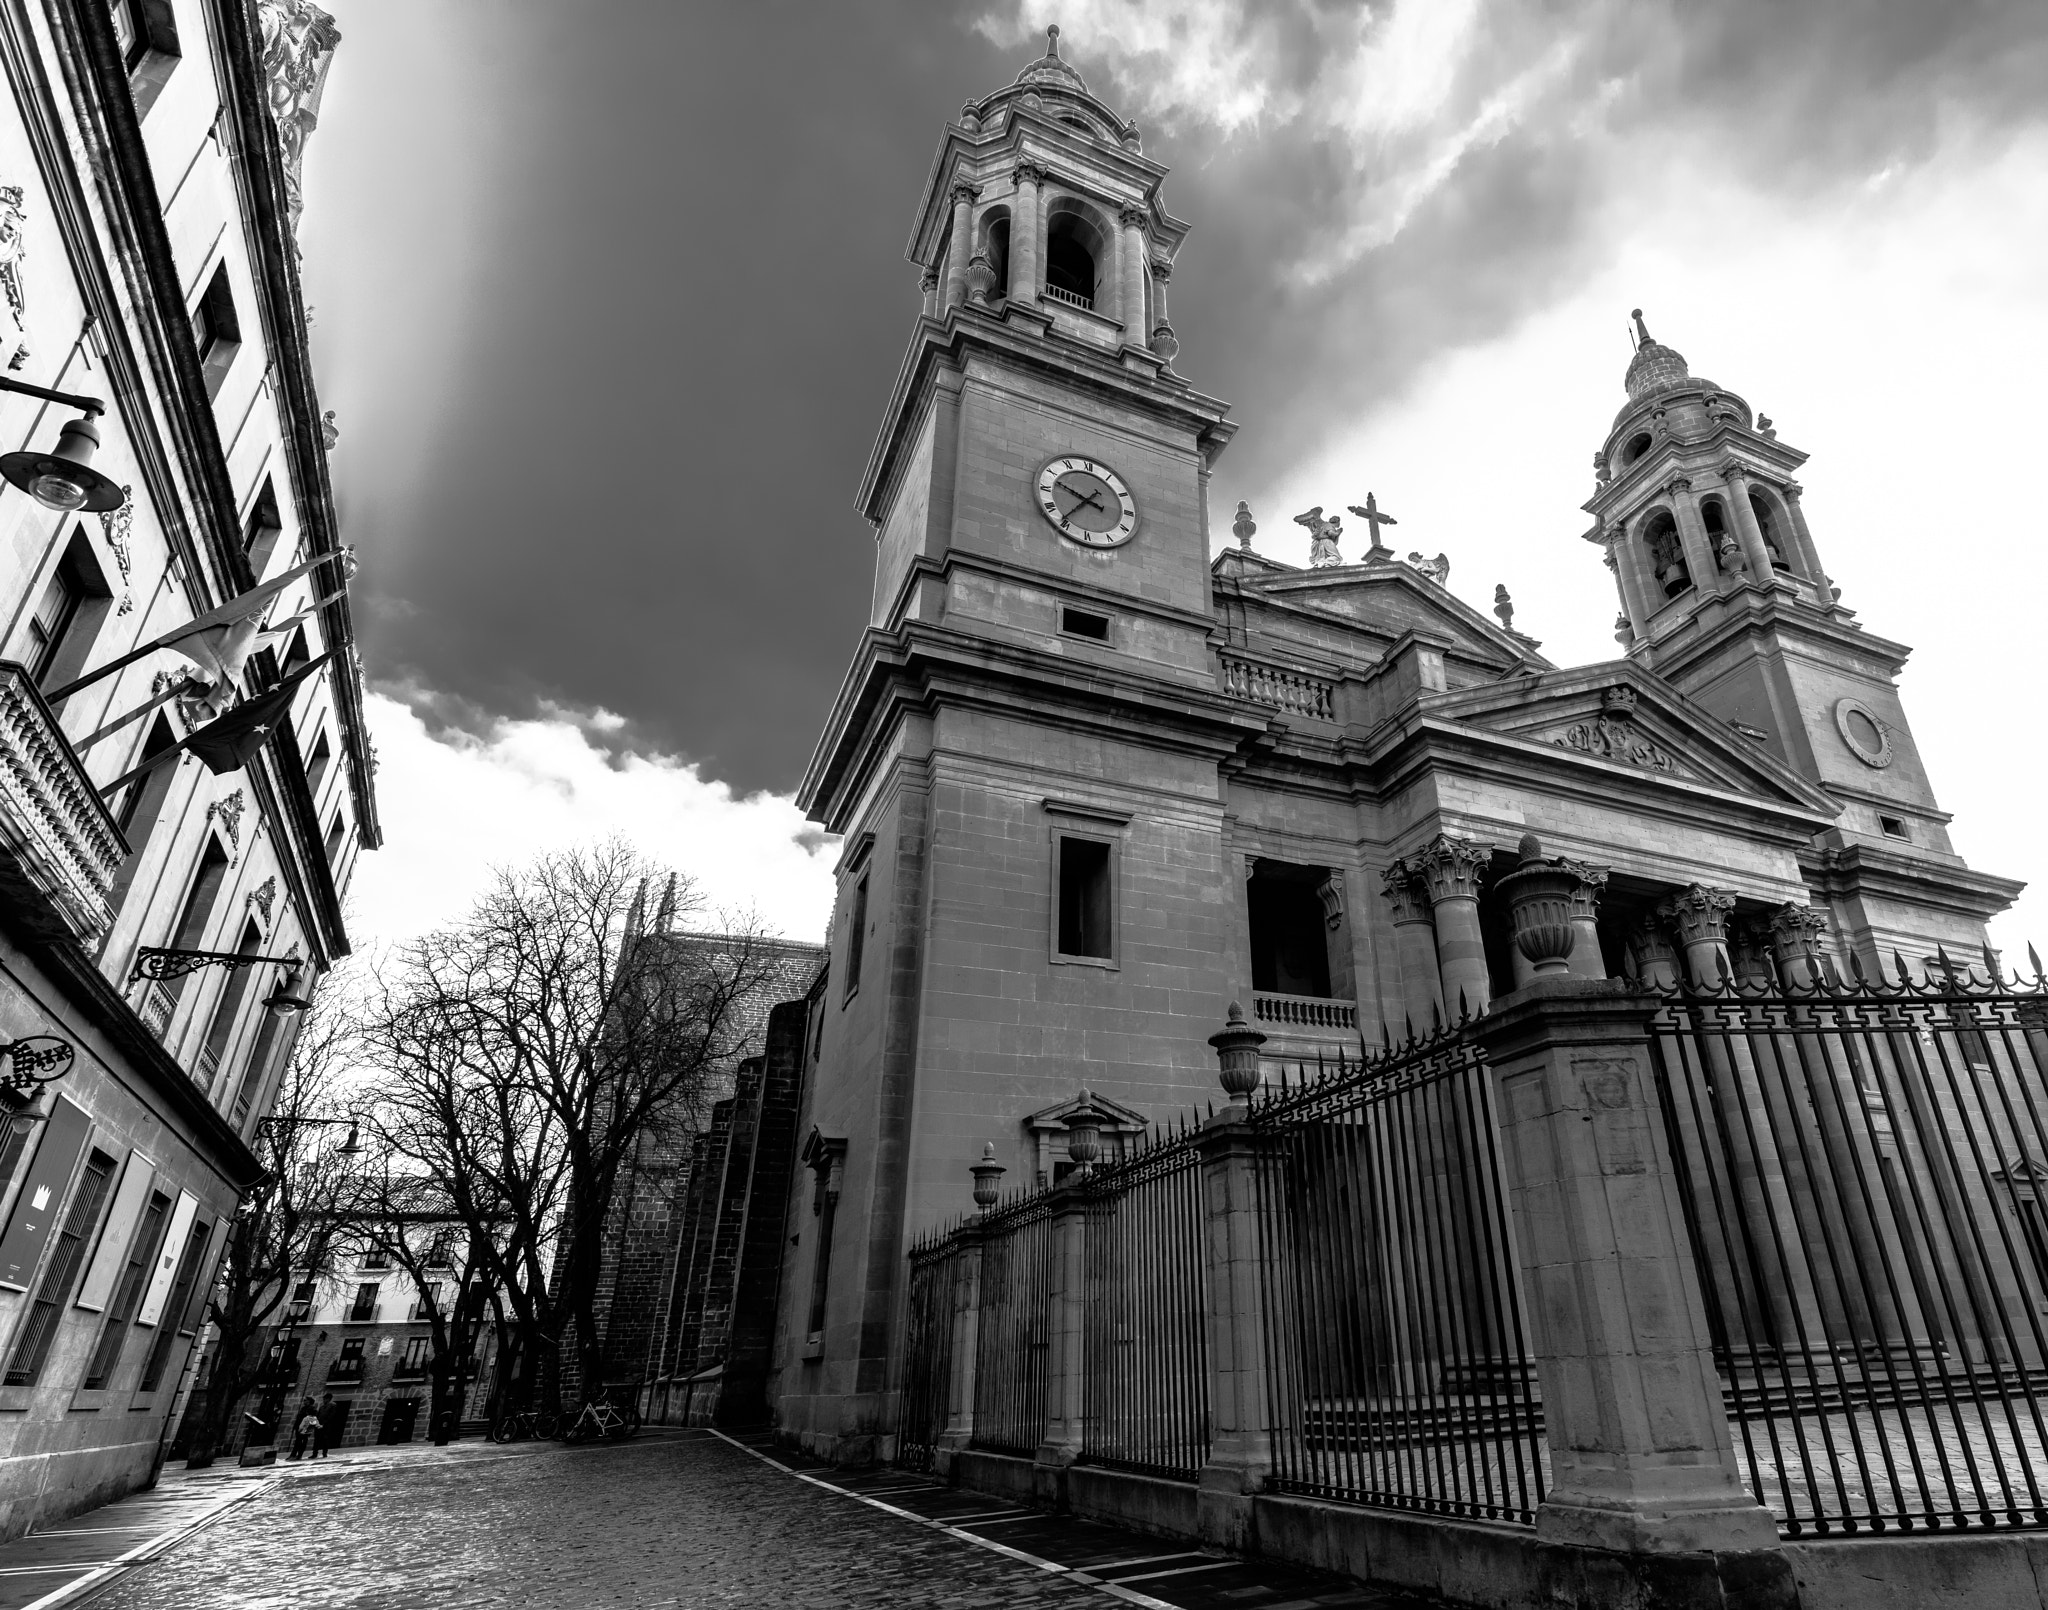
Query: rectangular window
x=364, y=1308
x=856, y=936
x=1290, y=934
x=1893, y=827
x=146, y=34
x=259, y=1060
x=216, y=330
x=1085, y=921
x=316, y=765
x=428, y=1302
x=229, y=1007
x=47, y=626
x=413, y=1362
x=198, y=912
x=1084, y=623
x=121, y=1312
x=67, y=1259
x=821, y=1268
x=262, y=529
x=336, y=832
x=67, y=616
x=348, y=1363
x=179, y=1316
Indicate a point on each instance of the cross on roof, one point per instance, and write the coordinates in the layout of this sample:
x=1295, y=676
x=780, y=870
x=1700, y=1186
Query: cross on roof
x=1371, y=515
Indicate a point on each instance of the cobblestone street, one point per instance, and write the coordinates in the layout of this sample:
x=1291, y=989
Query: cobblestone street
x=678, y=1519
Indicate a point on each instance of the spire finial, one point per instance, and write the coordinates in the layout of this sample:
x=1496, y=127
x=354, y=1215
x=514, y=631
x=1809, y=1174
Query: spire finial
x=1642, y=329
x=1052, y=41
x=1244, y=527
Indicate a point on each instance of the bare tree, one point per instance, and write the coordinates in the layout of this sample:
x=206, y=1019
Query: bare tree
x=526, y=1051
x=290, y=1225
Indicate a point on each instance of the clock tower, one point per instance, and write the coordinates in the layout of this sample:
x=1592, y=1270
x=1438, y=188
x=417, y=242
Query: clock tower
x=1040, y=459
x=1026, y=760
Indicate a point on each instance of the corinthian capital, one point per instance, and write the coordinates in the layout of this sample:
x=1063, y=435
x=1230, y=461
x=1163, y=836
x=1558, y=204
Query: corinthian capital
x=1162, y=270
x=1592, y=884
x=1133, y=215
x=1797, y=928
x=963, y=193
x=1404, y=893
x=1699, y=914
x=1030, y=173
x=1451, y=868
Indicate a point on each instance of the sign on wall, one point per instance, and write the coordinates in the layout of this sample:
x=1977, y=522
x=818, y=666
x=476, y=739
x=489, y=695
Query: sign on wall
x=42, y=1193
x=167, y=1260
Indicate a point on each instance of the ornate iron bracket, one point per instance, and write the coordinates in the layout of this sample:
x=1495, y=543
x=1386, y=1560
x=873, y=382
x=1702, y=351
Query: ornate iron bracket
x=154, y=962
x=35, y=1059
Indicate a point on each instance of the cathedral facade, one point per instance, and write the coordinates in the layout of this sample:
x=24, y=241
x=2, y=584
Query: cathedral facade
x=1097, y=781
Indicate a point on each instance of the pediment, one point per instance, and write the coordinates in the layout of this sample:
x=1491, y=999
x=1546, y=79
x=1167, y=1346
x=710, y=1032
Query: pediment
x=1386, y=601
x=1620, y=715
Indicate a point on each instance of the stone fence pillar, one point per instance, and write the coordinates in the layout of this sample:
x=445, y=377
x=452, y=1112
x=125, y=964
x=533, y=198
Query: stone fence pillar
x=1644, y=1482
x=1240, y=1436
x=960, y=1377
x=1066, y=1364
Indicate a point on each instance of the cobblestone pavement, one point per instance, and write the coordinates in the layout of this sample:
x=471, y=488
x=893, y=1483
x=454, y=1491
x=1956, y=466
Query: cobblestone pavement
x=672, y=1520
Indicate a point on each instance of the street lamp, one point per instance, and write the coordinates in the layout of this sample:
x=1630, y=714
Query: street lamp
x=162, y=963
x=63, y=478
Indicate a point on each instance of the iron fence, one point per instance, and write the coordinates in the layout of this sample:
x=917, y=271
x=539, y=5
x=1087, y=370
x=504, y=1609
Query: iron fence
x=1398, y=1366
x=1864, y=1168
x=1145, y=1353
x=1013, y=1339
x=928, y=1349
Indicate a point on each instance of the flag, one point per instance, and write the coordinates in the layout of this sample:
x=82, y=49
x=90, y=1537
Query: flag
x=230, y=742
x=221, y=636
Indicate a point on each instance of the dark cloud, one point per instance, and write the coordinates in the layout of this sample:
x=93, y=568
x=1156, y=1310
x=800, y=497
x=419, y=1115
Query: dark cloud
x=683, y=296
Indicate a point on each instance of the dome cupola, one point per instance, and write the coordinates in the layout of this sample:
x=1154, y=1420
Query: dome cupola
x=1655, y=367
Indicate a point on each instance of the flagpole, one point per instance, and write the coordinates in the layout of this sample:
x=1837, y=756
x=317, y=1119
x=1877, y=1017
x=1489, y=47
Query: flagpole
x=288, y=685
x=176, y=691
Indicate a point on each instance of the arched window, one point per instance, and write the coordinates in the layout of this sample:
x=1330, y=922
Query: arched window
x=1767, y=523
x=1075, y=250
x=1715, y=520
x=1638, y=445
x=995, y=242
x=1667, y=553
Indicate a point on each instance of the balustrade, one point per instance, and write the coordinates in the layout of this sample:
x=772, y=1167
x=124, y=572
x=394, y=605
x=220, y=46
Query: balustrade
x=1279, y=688
x=53, y=824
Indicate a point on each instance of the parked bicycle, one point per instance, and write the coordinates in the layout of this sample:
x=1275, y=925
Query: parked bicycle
x=523, y=1423
x=614, y=1422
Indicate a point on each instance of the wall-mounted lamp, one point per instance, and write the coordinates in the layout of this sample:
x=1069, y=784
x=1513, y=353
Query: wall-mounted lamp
x=63, y=478
x=161, y=962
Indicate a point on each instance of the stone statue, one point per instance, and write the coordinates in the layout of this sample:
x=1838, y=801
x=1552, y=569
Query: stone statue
x=13, y=247
x=298, y=41
x=1437, y=570
x=1323, y=537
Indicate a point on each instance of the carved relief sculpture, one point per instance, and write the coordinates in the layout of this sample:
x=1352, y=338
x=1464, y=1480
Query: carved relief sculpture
x=229, y=809
x=13, y=248
x=298, y=41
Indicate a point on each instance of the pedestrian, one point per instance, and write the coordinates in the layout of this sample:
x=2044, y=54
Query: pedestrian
x=304, y=1423
x=324, y=1434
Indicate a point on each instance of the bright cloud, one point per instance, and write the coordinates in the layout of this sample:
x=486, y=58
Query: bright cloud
x=455, y=805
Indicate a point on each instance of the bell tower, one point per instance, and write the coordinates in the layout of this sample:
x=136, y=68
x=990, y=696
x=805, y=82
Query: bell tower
x=1723, y=595
x=1042, y=472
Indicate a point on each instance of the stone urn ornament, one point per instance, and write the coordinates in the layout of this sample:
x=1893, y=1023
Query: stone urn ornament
x=988, y=1177
x=1084, y=1133
x=1237, y=1056
x=981, y=278
x=1540, y=896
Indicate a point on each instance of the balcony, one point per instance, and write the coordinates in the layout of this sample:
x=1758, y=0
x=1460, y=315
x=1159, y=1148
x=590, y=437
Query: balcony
x=1279, y=687
x=1305, y=1027
x=362, y=1313
x=345, y=1371
x=1071, y=298
x=58, y=835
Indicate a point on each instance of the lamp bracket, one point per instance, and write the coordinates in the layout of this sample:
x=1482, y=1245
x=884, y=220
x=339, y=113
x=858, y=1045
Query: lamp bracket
x=90, y=406
x=157, y=962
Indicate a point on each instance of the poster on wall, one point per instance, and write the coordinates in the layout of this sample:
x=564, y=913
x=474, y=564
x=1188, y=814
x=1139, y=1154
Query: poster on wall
x=41, y=1197
x=167, y=1260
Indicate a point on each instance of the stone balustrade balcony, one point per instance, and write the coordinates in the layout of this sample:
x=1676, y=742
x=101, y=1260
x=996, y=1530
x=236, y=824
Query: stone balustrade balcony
x=58, y=842
x=1279, y=687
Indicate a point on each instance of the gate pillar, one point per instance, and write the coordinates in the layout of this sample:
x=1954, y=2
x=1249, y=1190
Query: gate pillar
x=1642, y=1462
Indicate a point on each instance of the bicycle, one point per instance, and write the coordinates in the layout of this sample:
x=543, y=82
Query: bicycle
x=523, y=1423
x=604, y=1419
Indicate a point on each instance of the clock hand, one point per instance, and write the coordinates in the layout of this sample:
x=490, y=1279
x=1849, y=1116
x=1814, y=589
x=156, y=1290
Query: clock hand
x=1090, y=501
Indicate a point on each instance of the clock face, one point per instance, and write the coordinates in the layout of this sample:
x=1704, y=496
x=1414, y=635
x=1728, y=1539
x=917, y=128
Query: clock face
x=1087, y=502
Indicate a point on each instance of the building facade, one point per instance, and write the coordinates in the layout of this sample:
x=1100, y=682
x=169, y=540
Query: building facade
x=149, y=156
x=1097, y=782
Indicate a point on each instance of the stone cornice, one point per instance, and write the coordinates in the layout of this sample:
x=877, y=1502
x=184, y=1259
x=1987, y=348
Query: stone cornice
x=1772, y=462
x=1767, y=617
x=1859, y=869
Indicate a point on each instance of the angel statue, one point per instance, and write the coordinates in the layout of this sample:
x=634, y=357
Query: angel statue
x=1323, y=535
x=1437, y=570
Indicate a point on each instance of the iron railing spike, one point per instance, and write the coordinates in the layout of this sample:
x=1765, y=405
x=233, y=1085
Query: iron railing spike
x=2034, y=961
x=1856, y=968
x=1212, y=1109
x=1899, y=962
x=1992, y=969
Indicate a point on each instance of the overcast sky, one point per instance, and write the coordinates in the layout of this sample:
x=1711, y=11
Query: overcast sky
x=609, y=296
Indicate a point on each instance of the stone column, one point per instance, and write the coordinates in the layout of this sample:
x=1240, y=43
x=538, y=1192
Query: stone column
x=1700, y=557
x=1451, y=869
x=1131, y=264
x=1629, y=583
x=1586, y=960
x=960, y=1381
x=1240, y=1442
x=1024, y=272
x=1754, y=548
x=1422, y=1002
x=961, y=245
x=1164, y=343
x=1809, y=556
x=1796, y=946
x=1641, y=1459
x=1656, y=958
